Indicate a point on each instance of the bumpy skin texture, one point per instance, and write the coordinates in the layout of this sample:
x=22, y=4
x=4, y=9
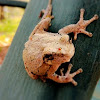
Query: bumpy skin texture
x=44, y=52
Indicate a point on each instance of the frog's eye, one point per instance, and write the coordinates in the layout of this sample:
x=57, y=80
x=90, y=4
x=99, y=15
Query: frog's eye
x=48, y=57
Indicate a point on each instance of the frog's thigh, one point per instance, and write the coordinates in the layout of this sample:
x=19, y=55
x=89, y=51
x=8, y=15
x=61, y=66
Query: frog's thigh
x=53, y=69
x=51, y=72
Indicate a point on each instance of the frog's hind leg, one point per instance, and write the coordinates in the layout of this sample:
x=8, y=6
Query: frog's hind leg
x=63, y=78
x=79, y=27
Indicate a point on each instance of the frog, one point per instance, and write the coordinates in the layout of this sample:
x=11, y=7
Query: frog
x=45, y=51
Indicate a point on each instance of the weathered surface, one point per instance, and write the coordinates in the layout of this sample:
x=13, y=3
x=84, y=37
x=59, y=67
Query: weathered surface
x=15, y=84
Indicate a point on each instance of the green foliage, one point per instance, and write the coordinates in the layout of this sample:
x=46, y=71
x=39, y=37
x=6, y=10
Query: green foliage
x=9, y=25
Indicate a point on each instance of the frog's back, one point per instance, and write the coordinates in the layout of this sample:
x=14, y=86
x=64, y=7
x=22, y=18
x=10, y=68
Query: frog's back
x=42, y=44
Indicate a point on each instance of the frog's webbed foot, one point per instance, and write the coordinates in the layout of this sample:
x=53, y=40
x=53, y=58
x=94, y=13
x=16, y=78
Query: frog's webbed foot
x=45, y=13
x=45, y=22
x=68, y=77
x=41, y=13
x=82, y=24
x=61, y=72
x=79, y=27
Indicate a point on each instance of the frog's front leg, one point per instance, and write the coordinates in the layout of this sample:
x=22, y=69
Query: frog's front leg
x=63, y=78
x=47, y=12
x=41, y=13
x=79, y=27
x=45, y=22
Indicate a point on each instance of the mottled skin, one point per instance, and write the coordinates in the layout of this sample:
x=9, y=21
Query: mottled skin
x=44, y=51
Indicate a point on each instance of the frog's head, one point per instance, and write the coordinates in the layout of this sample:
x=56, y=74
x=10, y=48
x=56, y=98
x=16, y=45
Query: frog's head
x=61, y=50
x=58, y=55
x=52, y=59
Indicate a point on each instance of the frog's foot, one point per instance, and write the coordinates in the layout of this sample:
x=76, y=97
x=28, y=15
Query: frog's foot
x=82, y=24
x=61, y=72
x=67, y=77
x=41, y=13
x=79, y=27
x=47, y=12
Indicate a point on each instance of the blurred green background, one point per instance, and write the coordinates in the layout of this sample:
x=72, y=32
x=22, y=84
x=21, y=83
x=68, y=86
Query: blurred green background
x=10, y=18
x=9, y=23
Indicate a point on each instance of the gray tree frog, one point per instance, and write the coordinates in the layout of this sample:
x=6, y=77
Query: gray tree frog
x=44, y=52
